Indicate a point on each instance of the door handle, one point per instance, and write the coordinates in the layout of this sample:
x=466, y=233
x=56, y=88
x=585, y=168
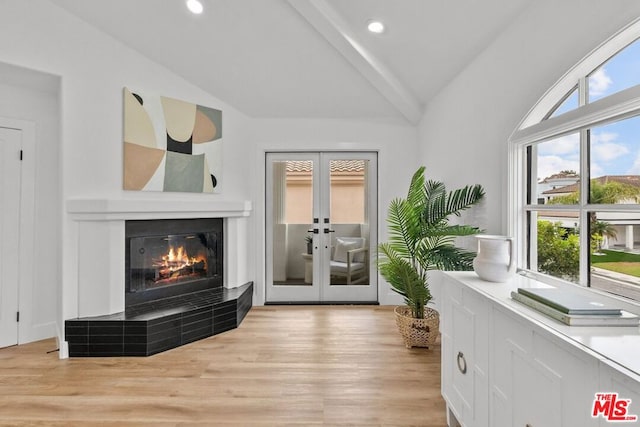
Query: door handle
x=314, y=231
x=462, y=363
x=327, y=231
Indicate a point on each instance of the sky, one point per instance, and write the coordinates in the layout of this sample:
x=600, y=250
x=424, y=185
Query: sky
x=615, y=147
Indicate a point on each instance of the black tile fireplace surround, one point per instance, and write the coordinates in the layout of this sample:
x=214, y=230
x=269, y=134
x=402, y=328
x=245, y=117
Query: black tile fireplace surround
x=152, y=327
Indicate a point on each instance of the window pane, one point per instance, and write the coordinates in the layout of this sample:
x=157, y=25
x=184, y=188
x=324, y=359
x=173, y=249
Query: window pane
x=554, y=239
x=615, y=252
x=615, y=162
x=347, y=191
x=621, y=72
x=556, y=175
x=299, y=191
x=569, y=103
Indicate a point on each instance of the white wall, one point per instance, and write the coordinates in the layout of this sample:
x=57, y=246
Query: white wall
x=34, y=97
x=396, y=145
x=94, y=68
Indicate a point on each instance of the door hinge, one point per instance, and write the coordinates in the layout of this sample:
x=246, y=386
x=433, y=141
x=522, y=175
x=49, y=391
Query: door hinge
x=21, y=154
x=17, y=316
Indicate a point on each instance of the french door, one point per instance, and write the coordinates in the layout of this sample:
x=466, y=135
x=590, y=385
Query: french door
x=321, y=216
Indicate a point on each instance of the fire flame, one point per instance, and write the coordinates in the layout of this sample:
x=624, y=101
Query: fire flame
x=178, y=258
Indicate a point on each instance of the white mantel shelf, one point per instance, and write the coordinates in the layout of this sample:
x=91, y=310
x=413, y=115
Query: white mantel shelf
x=122, y=209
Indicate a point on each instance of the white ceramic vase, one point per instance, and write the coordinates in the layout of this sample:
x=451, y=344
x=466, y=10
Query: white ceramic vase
x=495, y=260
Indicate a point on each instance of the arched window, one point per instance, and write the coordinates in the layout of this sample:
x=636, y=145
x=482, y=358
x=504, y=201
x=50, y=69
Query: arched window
x=575, y=169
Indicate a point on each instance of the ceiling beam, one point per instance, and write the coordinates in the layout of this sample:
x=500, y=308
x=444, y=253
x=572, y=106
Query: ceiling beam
x=333, y=27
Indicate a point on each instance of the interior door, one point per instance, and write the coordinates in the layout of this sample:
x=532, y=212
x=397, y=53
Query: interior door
x=321, y=221
x=10, y=173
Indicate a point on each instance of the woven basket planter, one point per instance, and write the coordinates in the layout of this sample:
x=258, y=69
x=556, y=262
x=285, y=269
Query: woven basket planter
x=418, y=332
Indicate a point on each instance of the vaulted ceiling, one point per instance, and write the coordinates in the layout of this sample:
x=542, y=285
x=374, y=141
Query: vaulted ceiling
x=309, y=58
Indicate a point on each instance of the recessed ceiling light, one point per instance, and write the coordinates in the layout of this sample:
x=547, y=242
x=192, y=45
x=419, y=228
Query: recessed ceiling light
x=195, y=6
x=375, y=26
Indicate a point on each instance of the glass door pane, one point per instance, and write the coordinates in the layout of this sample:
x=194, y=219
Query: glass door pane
x=291, y=187
x=348, y=219
x=351, y=192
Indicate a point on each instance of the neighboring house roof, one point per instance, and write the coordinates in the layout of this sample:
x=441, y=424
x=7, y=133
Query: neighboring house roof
x=567, y=189
x=336, y=165
x=557, y=214
x=561, y=175
x=632, y=180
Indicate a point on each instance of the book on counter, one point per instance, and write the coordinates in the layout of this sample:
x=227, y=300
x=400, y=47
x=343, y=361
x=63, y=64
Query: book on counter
x=622, y=318
x=569, y=302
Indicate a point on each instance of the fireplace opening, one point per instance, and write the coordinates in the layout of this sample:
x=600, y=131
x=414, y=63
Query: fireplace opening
x=172, y=257
x=168, y=260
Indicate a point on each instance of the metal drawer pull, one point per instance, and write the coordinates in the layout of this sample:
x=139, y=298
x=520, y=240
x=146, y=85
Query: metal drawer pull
x=462, y=363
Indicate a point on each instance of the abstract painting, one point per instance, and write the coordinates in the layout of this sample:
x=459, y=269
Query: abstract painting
x=171, y=145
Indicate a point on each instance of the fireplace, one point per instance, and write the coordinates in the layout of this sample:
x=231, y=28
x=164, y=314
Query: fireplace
x=159, y=310
x=174, y=292
x=169, y=257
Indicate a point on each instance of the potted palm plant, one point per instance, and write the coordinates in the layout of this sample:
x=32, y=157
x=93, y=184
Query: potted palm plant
x=421, y=239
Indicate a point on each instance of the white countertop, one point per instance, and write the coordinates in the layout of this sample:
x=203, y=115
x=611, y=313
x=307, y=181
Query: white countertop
x=617, y=344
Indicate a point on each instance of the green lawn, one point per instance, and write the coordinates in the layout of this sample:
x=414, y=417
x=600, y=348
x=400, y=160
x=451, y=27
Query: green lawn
x=620, y=262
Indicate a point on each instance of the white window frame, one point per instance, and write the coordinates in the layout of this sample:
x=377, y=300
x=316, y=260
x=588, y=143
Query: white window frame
x=534, y=129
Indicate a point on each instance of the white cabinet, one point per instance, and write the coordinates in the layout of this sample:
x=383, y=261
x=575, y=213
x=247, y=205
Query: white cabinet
x=505, y=365
x=536, y=381
x=465, y=349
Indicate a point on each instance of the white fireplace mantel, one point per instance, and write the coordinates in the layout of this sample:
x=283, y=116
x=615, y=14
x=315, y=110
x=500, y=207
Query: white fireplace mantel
x=121, y=209
x=100, y=244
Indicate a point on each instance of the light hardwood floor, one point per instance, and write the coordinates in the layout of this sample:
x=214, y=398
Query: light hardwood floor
x=284, y=365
